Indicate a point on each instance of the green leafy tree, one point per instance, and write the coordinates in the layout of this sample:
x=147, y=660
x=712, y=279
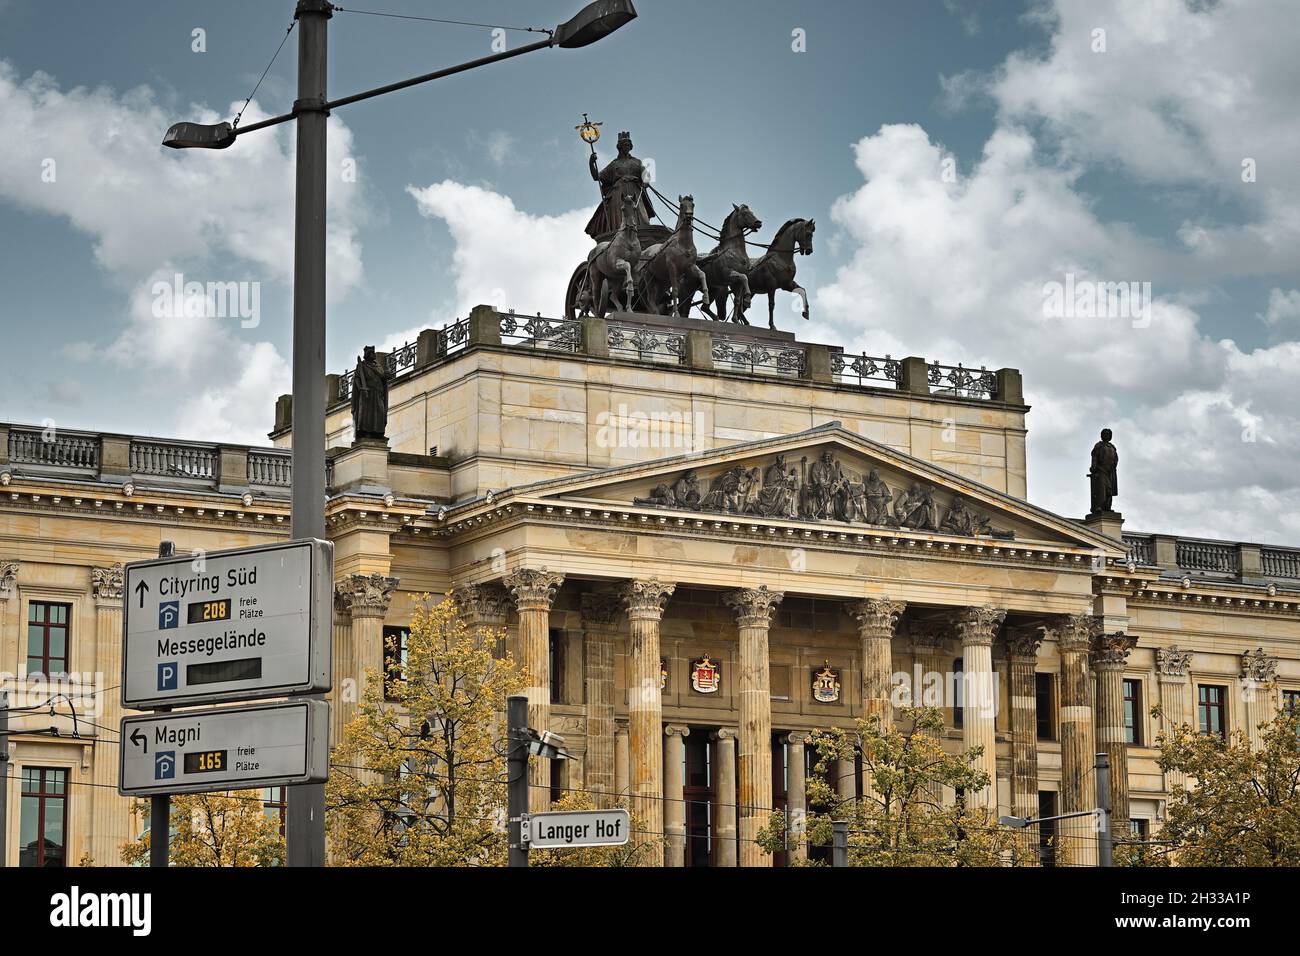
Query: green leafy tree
x=419, y=778
x=903, y=822
x=1241, y=806
x=214, y=829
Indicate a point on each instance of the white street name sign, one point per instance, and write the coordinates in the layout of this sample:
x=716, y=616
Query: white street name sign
x=245, y=624
x=578, y=828
x=231, y=748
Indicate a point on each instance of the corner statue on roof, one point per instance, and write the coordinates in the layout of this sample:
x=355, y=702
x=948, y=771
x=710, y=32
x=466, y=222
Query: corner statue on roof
x=624, y=170
x=369, y=397
x=1103, y=475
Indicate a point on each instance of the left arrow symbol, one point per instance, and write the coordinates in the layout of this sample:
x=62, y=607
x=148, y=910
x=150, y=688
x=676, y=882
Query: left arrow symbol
x=140, y=740
x=142, y=589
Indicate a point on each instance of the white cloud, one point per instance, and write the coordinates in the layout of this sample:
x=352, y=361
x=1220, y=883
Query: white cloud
x=1208, y=432
x=92, y=157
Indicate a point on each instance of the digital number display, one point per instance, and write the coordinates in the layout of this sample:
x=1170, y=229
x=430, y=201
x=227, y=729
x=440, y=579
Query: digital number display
x=203, y=611
x=205, y=761
x=218, y=672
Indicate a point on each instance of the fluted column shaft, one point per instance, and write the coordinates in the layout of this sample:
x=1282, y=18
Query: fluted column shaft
x=110, y=813
x=796, y=795
x=726, y=790
x=876, y=621
x=645, y=603
x=1023, y=652
x=534, y=591
x=600, y=612
x=1175, y=700
x=674, y=805
x=930, y=667
x=754, y=608
x=1111, y=654
x=978, y=626
x=1078, y=788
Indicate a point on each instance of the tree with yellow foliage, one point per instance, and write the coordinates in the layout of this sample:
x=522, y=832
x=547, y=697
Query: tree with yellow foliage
x=419, y=778
x=214, y=829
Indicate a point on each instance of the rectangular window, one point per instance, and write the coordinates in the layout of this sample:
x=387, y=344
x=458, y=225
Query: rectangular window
x=958, y=692
x=1132, y=711
x=557, y=781
x=47, y=638
x=395, y=651
x=1045, y=706
x=274, y=805
x=557, y=667
x=1047, y=830
x=1140, y=829
x=1211, y=704
x=1290, y=701
x=43, y=828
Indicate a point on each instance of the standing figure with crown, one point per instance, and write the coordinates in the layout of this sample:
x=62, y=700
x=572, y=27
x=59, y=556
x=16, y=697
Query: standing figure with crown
x=624, y=170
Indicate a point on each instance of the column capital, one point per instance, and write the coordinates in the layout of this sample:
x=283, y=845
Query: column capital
x=979, y=625
x=725, y=733
x=601, y=609
x=753, y=606
x=645, y=599
x=1258, y=666
x=676, y=730
x=1074, y=632
x=534, y=590
x=483, y=603
x=1023, y=643
x=8, y=578
x=106, y=583
x=1172, y=663
x=926, y=640
x=797, y=737
x=876, y=617
x=365, y=595
x=1111, y=651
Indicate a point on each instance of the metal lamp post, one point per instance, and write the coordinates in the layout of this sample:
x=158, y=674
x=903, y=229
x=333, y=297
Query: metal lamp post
x=306, y=804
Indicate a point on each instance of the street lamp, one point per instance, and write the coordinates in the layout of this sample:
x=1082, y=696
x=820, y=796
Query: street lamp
x=305, y=825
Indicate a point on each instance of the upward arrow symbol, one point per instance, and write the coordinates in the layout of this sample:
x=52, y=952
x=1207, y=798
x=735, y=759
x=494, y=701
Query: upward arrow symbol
x=141, y=589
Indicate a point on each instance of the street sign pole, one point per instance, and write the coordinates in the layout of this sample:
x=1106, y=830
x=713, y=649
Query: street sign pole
x=517, y=776
x=305, y=812
x=4, y=776
x=160, y=805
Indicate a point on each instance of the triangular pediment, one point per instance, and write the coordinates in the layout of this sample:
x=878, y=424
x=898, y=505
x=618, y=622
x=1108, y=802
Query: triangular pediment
x=824, y=475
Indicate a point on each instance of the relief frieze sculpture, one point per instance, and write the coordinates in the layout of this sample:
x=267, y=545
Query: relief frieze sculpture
x=820, y=490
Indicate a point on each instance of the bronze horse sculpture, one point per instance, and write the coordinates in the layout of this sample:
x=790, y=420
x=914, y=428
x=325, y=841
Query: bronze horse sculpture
x=775, y=268
x=667, y=264
x=614, y=258
x=726, y=267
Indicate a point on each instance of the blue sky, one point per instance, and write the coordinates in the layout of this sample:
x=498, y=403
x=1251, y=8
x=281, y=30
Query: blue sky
x=1119, y=164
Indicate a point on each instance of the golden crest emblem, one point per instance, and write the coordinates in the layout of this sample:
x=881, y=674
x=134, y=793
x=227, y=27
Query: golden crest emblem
x=706, y=676
x=826, y=684
x=589, y=131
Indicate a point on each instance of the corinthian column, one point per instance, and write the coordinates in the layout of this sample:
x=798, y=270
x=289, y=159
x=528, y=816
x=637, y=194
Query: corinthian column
x=876, y=621
x=977, y=627
x=110, y=814
x=534, y=591
x=600, y=613
x=1022, y=649
x=1112, y=652
x=364, y=599
x=483, y=609
x=1074, y=634
x=645, y=608
x=1258, y=692
x=754, y=607
x=1175, y=700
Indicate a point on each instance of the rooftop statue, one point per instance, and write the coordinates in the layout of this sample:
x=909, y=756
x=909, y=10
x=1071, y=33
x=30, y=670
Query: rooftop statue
x=369, y=397
x=1103, y=476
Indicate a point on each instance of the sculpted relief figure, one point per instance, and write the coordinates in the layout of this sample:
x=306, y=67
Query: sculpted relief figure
x=877, y=496
x=682, y=493
x=915, y=509
x=828, y=489
x=961, y=520
x=779, y=497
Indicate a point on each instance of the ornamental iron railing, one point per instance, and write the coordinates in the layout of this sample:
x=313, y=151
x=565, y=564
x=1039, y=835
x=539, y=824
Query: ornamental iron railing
x=754, y=357
x=537, y=332
x=646, y=344
x=963, y=382
x=865, y=369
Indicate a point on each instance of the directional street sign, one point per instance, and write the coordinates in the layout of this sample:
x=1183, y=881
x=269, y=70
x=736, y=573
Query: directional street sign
x=232, y=748
x=578, y=828
x=245, y=624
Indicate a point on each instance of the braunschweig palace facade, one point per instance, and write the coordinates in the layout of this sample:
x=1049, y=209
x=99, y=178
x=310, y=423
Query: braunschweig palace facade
x=703, y=541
